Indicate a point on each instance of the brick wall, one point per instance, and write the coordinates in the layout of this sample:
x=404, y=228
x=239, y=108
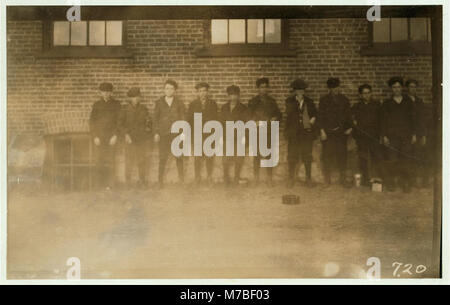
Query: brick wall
x=166, y=49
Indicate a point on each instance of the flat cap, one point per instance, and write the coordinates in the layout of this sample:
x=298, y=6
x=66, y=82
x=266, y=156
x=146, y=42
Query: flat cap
x=133, y=92
x=106, y=87
x=299, y=84
x=262, y=80
x=333, y=82
x=395, y=79
x=202, y=85
x=233, y=89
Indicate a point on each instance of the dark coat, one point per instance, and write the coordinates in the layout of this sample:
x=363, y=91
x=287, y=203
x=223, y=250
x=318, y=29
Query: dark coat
x=263, y=108
x=367, y=119
x=239, y=113
x=208, y=111
x=135, y=121
x=421, y=117
x=164, y=116
x=334, y=115
x=397, y=120
x=103, y=121
x=294, y=128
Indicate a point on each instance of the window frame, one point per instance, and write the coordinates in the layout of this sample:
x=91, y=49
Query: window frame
x=409, y=47
x=51, y=51
x=246, y=49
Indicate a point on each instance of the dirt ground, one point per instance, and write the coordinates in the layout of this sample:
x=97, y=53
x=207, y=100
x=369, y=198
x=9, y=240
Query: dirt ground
x=238, y=232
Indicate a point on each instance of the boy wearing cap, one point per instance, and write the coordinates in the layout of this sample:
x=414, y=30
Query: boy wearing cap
x=300, y=130
x=103, y=123
x=397, y=131
x=208, y=108
x=168, y=109
x=334, y=120
x=263, y=107
x=422, y=124
x=134, y=124
x=234, y=110
x=366, y=132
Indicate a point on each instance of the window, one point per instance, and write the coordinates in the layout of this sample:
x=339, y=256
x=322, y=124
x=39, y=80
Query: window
x=84, y=33
x=399, y=36
x=229, y=31
x=402, y=29
x=246, y=37
x=93, y=38
x=71, y=162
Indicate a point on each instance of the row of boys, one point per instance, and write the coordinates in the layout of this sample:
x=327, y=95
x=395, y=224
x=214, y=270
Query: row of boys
x=392, y=135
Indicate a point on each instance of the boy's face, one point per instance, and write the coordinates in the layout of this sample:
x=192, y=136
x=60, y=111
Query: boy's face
x=234, y=98
x=366, y=94
x=397, y=89
x=135, y=100
x=335, y=90
x=412, y=88
x=263, y=89
x=202, y=93
x=106, y=95
x=169, y=90
x=300, y=92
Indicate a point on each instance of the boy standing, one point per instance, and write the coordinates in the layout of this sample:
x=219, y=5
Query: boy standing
x=208, y=108
x=422, y=123
x=168, y=109
x=263, y=107
x=134, y=123
x=334, y=119
x=234, y=110
x=366, y=132
x=300, y=129
x=398, y=135
x=104, y=129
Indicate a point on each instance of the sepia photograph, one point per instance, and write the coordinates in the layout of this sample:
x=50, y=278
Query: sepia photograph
x=223, y=142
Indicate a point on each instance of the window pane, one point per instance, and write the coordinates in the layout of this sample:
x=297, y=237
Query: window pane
x=96, y=33
x=273, y=30
x=399, y=28
x=255, y=30
x=61, y=33
x=114, y=33
x=381, y=30
x=80, y=149
x=219, y=31
x=418, y=27
x=78, y=35
x=237, y=30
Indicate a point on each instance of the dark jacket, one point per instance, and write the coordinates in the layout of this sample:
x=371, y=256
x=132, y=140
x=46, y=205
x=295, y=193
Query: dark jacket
x=263, y=108
x=397, y=120
x=334, y=115
x=366, y=119
x=164, y=116
x=239, y=113
x=294, y=116
x=103, y=121
x=420, y=112
x=208, y=111
x=135, y=121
